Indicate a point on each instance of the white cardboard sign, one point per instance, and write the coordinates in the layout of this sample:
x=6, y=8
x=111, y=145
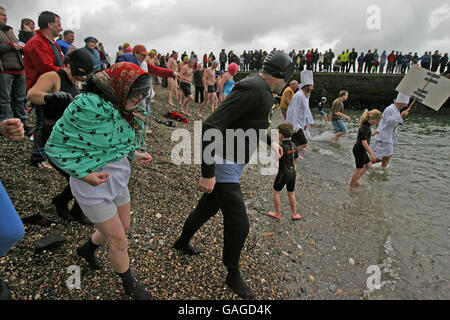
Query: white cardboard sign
x=437, y=88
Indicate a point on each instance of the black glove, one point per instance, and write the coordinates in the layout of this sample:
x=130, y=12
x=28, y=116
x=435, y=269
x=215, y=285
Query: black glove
x=58, y=98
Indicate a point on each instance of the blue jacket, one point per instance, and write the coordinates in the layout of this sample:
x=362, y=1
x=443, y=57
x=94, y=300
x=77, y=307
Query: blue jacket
x=95, y=58
x=128, y=57
x=65, y=47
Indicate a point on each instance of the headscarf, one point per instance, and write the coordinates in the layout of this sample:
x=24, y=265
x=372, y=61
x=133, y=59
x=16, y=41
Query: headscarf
x=116, y=83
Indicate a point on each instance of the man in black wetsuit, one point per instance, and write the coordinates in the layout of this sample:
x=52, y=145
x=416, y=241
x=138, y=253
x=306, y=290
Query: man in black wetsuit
x=247, y=108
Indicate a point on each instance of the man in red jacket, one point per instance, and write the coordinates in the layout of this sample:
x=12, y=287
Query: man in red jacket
x=391, y=60
x=42, y=55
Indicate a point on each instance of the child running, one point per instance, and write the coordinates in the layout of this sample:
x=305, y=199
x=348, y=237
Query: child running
x=364, y=155
x=286, y=172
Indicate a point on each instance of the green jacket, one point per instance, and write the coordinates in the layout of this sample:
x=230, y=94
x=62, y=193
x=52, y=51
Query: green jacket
x=90, y=134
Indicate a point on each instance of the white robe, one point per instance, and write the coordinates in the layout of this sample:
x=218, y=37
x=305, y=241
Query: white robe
x=388, y=125
x=299, y=113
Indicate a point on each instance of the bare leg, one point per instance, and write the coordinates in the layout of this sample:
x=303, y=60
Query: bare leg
x=293, y=204
x=277, y=204
x=338, y=135
x=355, y=178
x=114, y=233
x=385, y=161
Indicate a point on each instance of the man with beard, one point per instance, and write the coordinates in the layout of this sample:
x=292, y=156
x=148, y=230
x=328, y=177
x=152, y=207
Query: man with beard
x=248, y=107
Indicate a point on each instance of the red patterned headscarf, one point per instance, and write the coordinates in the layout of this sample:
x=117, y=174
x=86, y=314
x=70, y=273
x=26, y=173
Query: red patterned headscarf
x=116, y=83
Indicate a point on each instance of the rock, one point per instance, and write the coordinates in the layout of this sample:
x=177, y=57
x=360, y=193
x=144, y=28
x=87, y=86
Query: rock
x=332, y=288
x=285, y=253
x=339, y=291
x=158, y=216
x=312, y=243
x=268, y=234
x=299, y=247
x=334, y=249
x=351, y=261
x=300, y=254
x=311, y=278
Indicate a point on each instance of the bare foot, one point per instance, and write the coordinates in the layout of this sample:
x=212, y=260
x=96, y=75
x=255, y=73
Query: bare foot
x=358, y=183
x=297, y=217
x=275, y=215
x=200, y=115
x=171, y=104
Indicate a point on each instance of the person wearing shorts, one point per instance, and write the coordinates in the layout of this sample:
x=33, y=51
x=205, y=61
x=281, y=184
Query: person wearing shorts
x=361, y=150
x=286, y=173
x=186, y=88
x=96, y=158
x=337, y=115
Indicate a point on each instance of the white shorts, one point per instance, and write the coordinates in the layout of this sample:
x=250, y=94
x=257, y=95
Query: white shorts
x=106, y=210
x=383, y=149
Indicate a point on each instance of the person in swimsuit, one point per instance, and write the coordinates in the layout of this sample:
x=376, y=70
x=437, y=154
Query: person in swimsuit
x=364, y=156
x=55, y=91
x=186, y=75
x=248, y=107
x=286, y=172
x=322, y=105
x=209, y=81
x=226, y=83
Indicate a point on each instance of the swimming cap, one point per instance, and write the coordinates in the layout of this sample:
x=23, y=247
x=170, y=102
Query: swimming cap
x=279, y=65
x=233, y=68
x=80, y=59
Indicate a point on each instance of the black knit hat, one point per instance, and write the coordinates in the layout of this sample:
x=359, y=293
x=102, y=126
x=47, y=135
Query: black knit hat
x=80, y=59
x=279, y=65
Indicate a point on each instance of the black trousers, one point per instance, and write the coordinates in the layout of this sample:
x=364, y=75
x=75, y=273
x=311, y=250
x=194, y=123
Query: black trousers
x=66, y=195
x=199, y=93
x=227, y=197
x=222, y=66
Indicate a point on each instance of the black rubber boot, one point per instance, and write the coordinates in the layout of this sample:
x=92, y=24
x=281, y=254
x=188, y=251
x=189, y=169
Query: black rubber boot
x=87, y=251
x=238, y=285
x=133, y=288
x=61, y=208
x=186, y=248
x=79, y=216
x=4, y=292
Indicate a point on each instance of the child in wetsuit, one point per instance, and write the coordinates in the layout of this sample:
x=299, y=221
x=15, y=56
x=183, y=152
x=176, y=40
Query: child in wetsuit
x=286, y=172
x=364, y=155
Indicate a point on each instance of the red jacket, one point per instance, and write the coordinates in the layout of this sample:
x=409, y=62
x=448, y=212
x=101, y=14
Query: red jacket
x=39, y=58
x=159, y=72
x=391, y=57
x=309, y=56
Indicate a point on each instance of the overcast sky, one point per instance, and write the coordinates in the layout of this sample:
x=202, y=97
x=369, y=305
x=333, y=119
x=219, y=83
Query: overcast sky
x=210, y=25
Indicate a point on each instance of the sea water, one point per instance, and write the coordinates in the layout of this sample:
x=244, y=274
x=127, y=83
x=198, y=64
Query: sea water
x=411, y=197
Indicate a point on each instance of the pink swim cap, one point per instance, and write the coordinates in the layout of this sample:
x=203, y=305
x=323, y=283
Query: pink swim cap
x=233, y=68
x=129, y=50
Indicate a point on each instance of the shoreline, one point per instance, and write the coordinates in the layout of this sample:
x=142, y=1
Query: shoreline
x=278, y=259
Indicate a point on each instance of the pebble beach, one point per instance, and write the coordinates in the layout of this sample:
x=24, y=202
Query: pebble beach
x=325, y=256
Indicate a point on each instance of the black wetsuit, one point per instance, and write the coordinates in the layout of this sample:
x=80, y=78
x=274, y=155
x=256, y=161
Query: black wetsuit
x=360, y=153
x=54, y=113
x=286, y=171
x=249, y=106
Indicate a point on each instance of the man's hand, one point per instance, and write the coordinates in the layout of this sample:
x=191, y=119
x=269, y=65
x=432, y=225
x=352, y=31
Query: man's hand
x=348, y=118
x=95, y=179
x=207, y=185
x=142, y=158
x=376, y=133
x=62, y=98
x=12, y=128
x=278, y=149
x=406, y=113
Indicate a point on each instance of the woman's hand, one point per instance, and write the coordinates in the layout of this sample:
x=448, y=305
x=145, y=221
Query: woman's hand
x=142, y=158
x=95, y=179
